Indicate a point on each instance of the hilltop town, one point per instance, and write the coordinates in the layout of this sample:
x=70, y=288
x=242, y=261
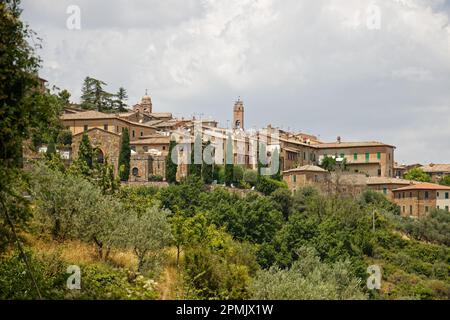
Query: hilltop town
x=361, y=164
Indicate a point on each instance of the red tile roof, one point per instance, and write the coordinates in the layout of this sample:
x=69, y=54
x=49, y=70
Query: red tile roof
x=424, y=186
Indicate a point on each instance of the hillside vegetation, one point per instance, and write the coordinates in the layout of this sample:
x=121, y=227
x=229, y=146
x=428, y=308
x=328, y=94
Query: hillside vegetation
x=184, y=241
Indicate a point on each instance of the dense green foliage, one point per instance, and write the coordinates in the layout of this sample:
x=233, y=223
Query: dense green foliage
x=308, y=279
x=445, y=181
x=417, y=174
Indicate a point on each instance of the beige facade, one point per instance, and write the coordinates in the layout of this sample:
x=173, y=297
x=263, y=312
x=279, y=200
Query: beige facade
x=304, y=176
x=370, y=158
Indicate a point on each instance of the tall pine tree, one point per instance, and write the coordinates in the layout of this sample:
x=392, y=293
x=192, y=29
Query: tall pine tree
x=119, y=103
x=94, y=97
x=125, y=156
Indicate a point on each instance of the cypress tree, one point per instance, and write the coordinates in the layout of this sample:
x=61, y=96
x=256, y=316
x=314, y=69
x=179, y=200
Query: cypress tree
x=125, y=156
x=171, y=167
x=85, y=152
x=277, y=175
x=195, y=167
x=229, y=168
x=207, y=169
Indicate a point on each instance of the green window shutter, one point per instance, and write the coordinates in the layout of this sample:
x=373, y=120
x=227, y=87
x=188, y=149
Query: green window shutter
x=378, y=155
x=355, y=156
x=342, y=155
x=367, y=156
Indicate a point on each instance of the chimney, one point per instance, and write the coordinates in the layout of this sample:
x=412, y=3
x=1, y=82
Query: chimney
x=339, y=139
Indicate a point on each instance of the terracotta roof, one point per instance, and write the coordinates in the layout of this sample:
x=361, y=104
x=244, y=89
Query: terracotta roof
x=126, y=114
x=436, y=168
x=310, y=168
x=161, y=114
x=424, y=186
x=152, y=140
x=91, y=114
x=388, y=180
x=321, y=145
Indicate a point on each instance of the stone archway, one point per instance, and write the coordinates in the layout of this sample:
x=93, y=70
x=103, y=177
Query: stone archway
x=99, y=156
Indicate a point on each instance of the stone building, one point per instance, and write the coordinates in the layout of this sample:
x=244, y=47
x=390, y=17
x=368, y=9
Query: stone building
x=419, y=199
x=105, y=144
x=308, y=175
x=371, y=158
x=436, y=171
x=386, y=185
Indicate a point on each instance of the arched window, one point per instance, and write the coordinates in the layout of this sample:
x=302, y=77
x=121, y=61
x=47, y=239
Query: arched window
x=135, y=172
x=98, y=155
x=238, y=124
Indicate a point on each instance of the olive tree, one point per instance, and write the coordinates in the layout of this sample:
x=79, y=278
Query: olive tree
x=147, y=233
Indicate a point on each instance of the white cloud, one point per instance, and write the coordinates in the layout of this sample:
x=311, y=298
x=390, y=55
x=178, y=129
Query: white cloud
x=310, y=65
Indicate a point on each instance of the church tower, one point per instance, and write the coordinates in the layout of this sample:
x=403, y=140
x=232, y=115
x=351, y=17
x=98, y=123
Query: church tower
x=238, y=115
x=145, y=106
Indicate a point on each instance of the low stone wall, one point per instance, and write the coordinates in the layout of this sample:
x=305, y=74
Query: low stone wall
x=146, y=183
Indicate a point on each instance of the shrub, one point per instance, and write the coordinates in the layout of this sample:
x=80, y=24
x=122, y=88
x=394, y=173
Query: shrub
x=155, y=178
x=308, y=279
x=269, y=185
x=251, y=177
x=64, y=138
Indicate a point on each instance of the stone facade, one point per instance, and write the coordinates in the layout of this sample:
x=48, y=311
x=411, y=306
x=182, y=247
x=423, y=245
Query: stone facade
x=105, y=141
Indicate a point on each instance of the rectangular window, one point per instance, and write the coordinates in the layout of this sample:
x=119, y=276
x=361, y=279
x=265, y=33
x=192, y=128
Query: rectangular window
x=410, y=210
x=426, y=194
x=117, y=129
x=437, y=194
x=86, y=127
x=426, y=208
x=294, y=178
x=403, y=208
x=378, y=155
x=134, y=134
x=142, y=133
x=385, y=190
x=446, y=195
x=379, y=172
x=367, y=156
x=446, y=208
x=355, y=156
x=105, y=127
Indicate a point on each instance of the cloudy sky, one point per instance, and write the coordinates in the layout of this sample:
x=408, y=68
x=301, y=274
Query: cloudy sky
x=325, y=67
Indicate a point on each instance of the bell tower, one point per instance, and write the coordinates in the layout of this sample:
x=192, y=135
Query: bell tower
x=238, y=114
